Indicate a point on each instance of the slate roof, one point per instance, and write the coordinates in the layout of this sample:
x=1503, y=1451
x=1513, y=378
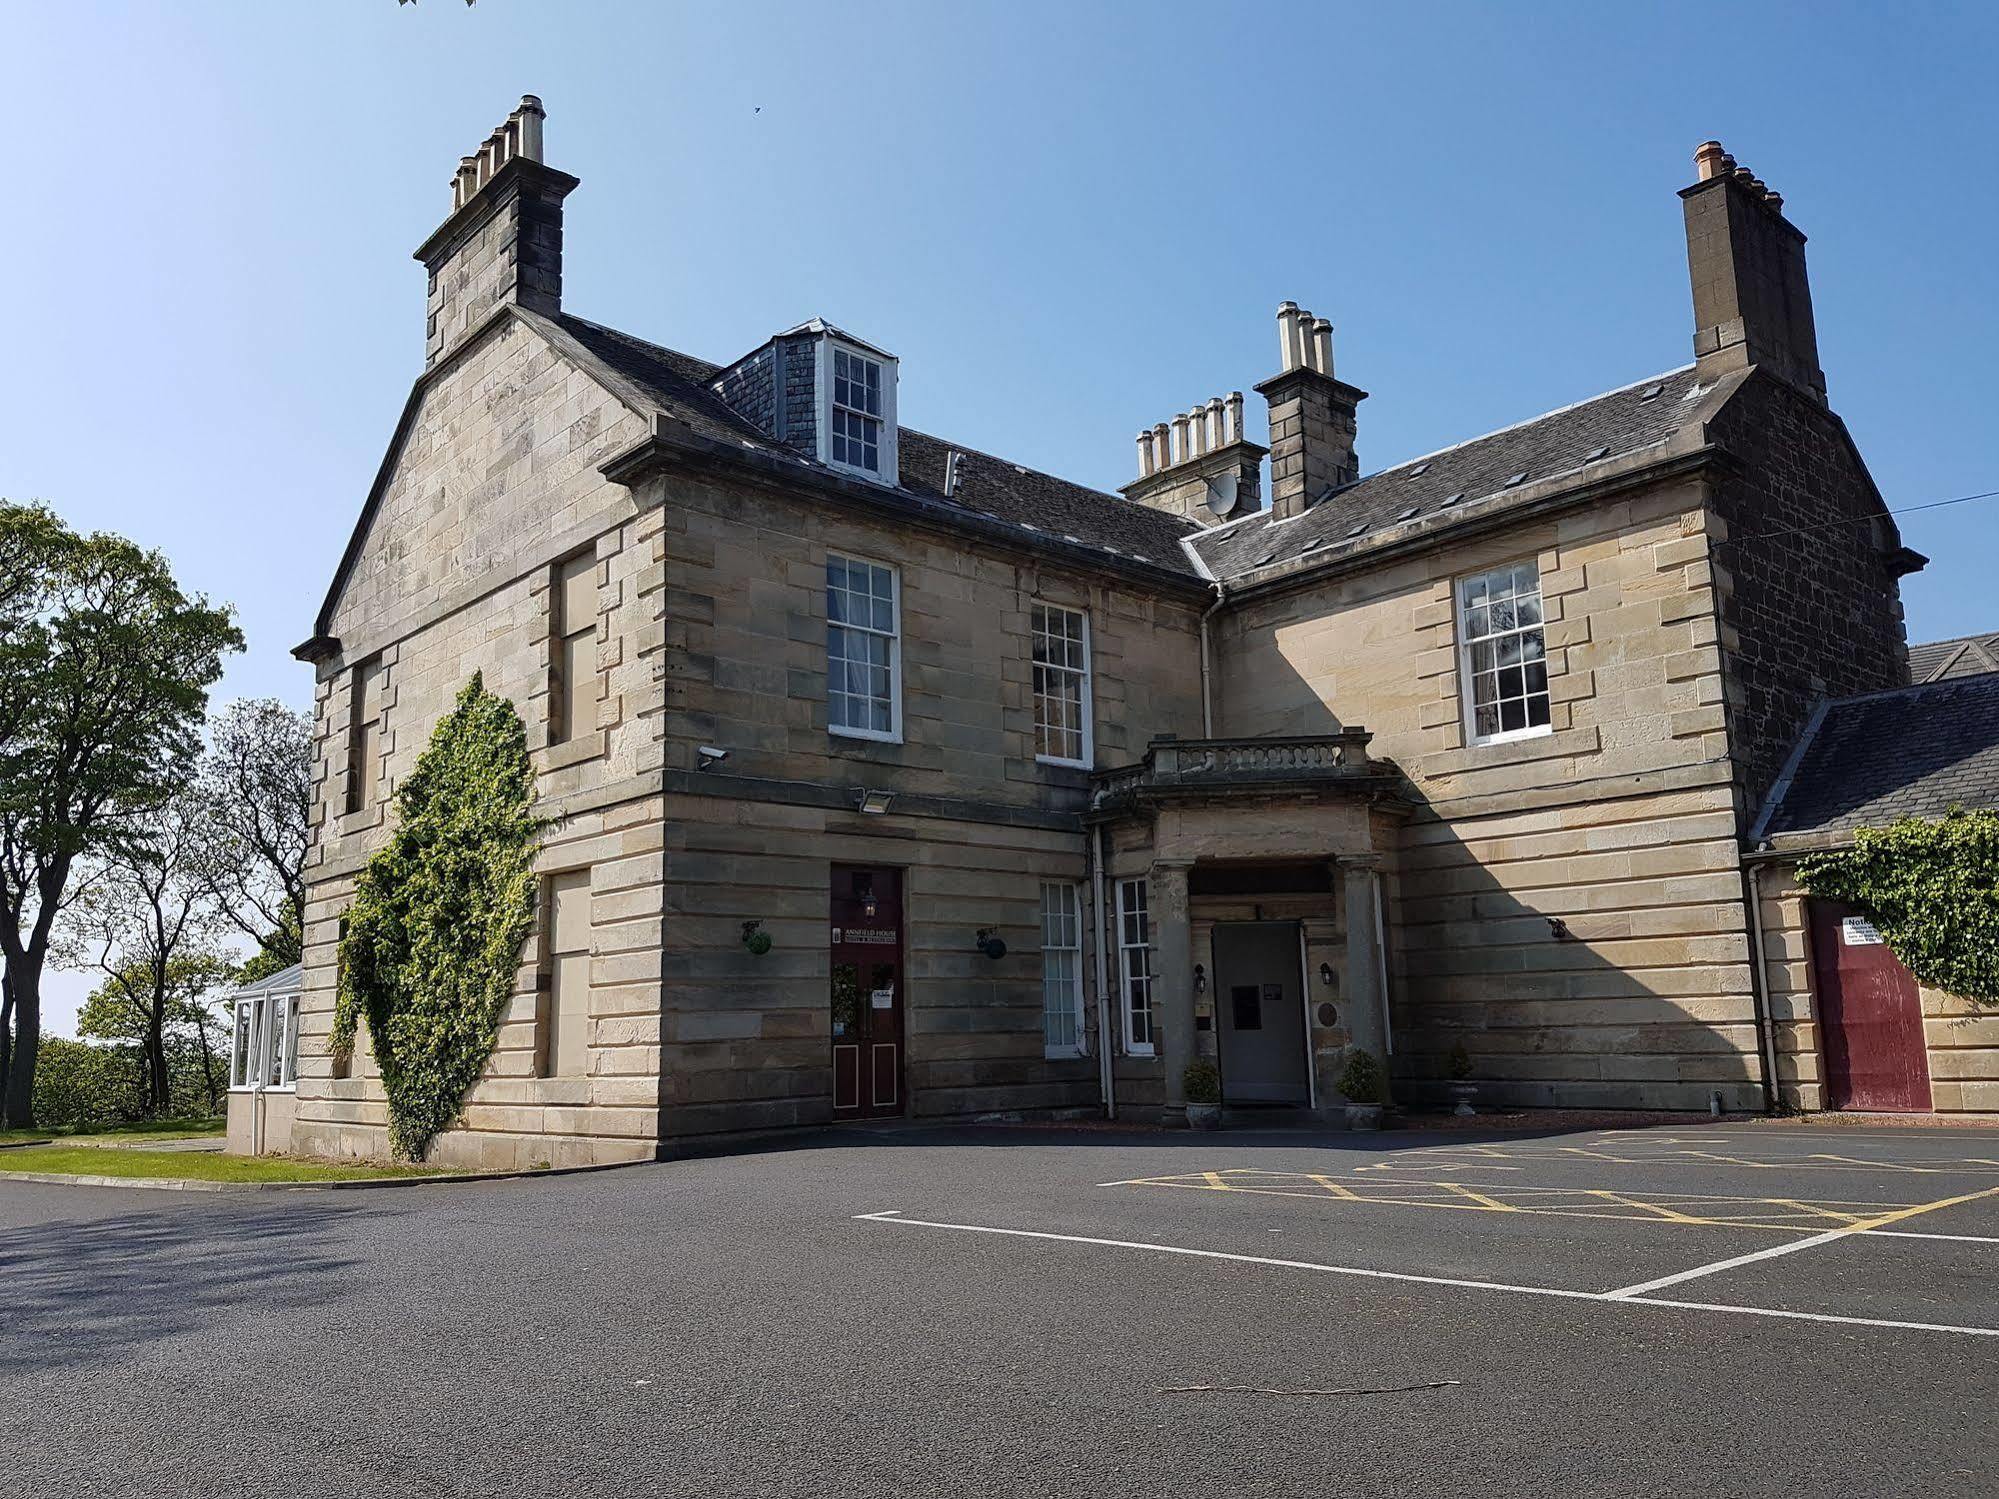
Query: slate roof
x=1604, y=428
x=1966, y=656
x=1038, y=505
x=1910, y=752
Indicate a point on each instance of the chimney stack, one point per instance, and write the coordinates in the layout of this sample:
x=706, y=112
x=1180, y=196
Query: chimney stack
x=1752, y=300
x=1200, y=465
x=1312, y=415
x=503, y=240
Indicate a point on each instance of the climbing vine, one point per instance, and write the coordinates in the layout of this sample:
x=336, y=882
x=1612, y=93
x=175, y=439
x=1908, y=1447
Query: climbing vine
x=1932, y=888
x=439, y=917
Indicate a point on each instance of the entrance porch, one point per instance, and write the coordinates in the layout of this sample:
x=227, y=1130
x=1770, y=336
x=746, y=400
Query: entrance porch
x=1249, y=922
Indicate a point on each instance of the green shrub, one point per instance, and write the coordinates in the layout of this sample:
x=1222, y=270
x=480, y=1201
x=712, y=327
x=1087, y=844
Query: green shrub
x=82, y=1086
x=1932, y=888
x=439, y=917
x=1361, y=1080
x=1201, y=1082
x=1459, y=1063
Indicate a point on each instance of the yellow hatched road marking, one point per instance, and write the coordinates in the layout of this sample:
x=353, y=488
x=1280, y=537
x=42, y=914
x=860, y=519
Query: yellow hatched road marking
x=1775, y=1214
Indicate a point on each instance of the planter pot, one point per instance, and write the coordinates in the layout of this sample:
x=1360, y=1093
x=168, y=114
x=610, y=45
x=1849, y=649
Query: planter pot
x=1204, y=1115
x=1363, y=1116
x=1464, y=1093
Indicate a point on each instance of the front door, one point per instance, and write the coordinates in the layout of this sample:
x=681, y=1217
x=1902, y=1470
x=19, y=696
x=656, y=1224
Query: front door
x=1259, y=1007
x=1870, y=1016
x=867, y=992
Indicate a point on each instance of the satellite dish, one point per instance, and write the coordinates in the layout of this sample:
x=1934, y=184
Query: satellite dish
x=1222, y=493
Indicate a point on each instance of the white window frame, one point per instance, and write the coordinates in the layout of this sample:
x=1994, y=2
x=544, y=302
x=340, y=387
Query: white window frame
x=1069, y=910
x=273, y=1022
x=894, y=638
x=1467, y=692
x=891, y=473
x=1135, y=967
x=1087, y=675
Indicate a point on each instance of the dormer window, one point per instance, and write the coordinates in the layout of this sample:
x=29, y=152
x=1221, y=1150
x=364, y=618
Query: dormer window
x=858, y=433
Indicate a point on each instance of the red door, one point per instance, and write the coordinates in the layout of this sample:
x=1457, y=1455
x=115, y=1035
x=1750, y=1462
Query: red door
x=1870, y=1017
x=867, y=992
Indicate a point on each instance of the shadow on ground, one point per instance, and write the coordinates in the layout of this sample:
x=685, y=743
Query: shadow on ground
x=89, y=1289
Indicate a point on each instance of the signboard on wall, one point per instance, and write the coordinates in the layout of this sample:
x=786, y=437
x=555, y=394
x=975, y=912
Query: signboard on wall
x=1858, y=931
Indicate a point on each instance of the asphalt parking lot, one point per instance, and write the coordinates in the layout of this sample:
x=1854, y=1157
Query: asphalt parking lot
x=1740, y=1307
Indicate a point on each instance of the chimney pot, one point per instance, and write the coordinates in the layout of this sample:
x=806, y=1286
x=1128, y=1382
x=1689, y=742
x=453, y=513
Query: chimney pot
x=1322, y=346
x=1162, y=447
x=1218, y=430
x=1287, y=335
x=1775, y=199
x=1708, y=159
x=1235, y=416
x=1145, y=453
x=1181, y=452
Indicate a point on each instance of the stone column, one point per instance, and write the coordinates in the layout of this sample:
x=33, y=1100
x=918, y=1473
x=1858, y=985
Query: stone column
x=1365, y=1002
x=1172, y=979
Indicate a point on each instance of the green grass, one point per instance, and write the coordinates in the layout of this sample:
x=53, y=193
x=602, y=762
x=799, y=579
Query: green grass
x=85, y=1160
x=190, y=1128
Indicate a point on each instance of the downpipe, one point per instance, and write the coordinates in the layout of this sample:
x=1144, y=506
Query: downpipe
x=1106, y=1073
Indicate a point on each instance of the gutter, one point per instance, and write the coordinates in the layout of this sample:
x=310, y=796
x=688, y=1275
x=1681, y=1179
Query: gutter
x=672, y=443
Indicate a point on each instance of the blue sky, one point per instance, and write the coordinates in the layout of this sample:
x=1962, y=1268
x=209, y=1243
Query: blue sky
x=1069, y=221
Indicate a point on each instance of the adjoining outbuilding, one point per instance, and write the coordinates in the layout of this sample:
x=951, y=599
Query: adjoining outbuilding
x=1851, y=1027
x=263, y=1062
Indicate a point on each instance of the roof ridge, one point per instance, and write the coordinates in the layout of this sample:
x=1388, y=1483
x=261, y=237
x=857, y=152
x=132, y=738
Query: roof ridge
x=1528, y=422
x=1602, y=395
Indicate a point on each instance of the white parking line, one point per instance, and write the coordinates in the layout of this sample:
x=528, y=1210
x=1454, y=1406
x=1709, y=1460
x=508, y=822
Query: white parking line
x=1864, y=1226
x=1628, y=1297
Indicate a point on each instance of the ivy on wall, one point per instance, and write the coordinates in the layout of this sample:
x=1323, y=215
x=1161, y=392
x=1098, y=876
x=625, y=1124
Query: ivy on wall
x=440, y=915
x=1932, y=888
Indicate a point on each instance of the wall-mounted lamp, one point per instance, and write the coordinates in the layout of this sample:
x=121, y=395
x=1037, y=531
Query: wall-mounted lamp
x=876, y=802
x=755, y=938
x=707, y=755
x=991, y=943
x=1326, y=974
x=1559, y=930
x=1200, y=979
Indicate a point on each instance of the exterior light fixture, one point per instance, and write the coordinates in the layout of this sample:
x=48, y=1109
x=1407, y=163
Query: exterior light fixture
x=1326, y=974
x=1200, y=979
x=755, y=938
x=991, y=943
x=876, y=802
x=1559, y=929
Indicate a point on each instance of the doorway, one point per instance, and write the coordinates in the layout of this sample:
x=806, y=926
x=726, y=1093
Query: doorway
x=1259, y=1012
x=867, y=993
x=1870, y=1016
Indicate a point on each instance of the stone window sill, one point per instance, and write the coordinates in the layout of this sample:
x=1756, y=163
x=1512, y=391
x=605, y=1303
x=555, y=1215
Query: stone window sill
x=593, y=746
x=359, y=822
x=1561, y=744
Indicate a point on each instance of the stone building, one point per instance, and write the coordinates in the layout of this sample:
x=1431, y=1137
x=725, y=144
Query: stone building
x=896, y=779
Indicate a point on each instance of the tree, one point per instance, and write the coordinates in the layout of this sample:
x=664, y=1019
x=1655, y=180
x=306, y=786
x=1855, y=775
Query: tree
x=256, y=795
x=170, y=1030
x=104, y=674
x=152, y=926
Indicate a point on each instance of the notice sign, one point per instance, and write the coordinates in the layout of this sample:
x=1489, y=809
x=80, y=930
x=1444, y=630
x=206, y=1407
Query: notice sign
x=884, y=999
x=873, y=936
x=1858, y=931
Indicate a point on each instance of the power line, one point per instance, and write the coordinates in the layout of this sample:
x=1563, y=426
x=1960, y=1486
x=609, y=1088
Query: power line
x=1857, y=520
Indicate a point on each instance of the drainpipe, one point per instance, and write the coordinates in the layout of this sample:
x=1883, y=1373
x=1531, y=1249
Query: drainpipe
x=1106, y=1079
x=1207, y=700
x=1766, y=1042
